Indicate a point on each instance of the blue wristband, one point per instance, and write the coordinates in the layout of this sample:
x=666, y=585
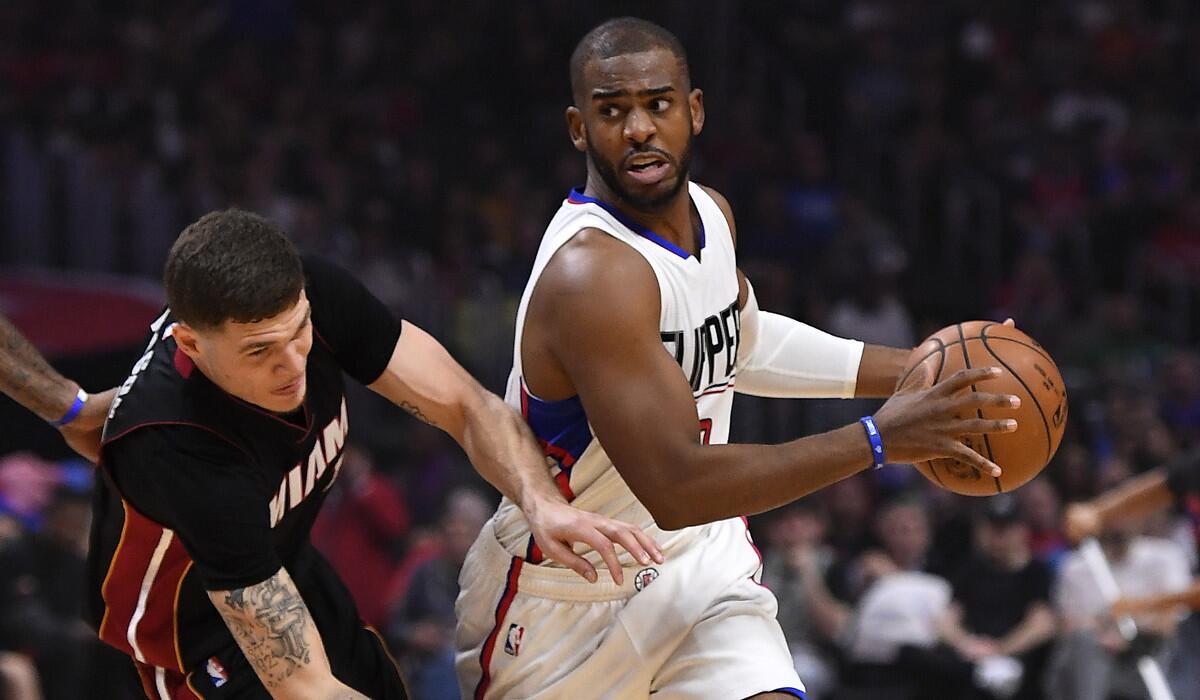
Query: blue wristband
x=875, y=440
x=80, y=399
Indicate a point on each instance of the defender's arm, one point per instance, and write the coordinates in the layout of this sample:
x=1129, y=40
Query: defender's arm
x=425, y=380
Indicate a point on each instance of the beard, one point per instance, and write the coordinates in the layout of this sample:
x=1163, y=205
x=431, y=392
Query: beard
x=608, y=173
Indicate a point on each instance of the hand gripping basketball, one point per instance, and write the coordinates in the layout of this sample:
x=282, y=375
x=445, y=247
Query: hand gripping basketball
x=923, y=424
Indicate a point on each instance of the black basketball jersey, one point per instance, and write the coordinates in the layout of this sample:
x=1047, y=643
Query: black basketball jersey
x=202, y=491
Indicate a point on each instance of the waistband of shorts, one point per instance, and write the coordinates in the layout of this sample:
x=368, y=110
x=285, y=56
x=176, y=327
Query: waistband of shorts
x=554, y=582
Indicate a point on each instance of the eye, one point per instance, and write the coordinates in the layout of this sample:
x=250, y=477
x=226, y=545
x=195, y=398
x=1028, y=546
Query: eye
x=660, y=104
x=257, y=352
x=609, y=111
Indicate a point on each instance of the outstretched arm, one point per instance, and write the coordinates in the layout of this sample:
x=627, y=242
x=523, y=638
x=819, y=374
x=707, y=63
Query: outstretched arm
x=425, y=380
x=28, y=379
x=599, y=301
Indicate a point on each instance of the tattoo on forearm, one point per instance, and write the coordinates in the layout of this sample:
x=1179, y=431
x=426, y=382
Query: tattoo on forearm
x=27, y=378
x=269, y=620
x=417, y=413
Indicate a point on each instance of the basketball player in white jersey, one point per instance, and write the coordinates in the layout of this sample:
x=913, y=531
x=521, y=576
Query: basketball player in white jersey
x=633, y=333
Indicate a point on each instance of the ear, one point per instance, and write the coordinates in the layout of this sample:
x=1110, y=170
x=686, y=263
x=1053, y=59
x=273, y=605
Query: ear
x=188, y=340
x=696, y=103
x=576, y=129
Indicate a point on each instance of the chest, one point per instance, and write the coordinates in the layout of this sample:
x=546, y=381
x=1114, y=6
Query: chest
x=700, y=323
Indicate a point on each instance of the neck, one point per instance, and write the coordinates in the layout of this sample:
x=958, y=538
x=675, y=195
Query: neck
x=672, y=220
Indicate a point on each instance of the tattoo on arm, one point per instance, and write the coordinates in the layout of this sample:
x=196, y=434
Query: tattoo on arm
x=417, y=413
x=28, y=379
x=269, y=621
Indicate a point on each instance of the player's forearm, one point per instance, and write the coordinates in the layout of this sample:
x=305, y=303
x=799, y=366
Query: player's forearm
x=702, y=484
x=280, y=640
x=505, y=452
x=29, y=380
x=879, y=370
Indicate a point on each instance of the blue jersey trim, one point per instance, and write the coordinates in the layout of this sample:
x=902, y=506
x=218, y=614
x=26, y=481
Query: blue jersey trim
x=561, y=426
x=576, y=196
x=792, y=691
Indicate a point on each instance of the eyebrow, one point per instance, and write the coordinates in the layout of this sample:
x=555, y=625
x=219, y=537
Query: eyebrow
x=268, y=343
x=602, y=94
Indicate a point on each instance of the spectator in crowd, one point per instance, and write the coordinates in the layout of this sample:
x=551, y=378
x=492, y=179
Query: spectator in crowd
x=1002, y=597
x=1091, y=660
x=423, y=623
x=796, y=549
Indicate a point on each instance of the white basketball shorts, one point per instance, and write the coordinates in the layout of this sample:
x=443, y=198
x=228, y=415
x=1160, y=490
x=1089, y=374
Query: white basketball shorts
x=696, y=627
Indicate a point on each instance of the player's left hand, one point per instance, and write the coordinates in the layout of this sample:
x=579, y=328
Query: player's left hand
x=83, y=433
x=556, y=526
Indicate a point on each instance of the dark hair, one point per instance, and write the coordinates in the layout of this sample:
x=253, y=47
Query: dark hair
x=621, y=36
x=231, y=265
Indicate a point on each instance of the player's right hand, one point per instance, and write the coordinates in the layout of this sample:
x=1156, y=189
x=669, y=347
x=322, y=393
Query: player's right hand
x=917, y=425
x=1082, y=520
x=556, y=526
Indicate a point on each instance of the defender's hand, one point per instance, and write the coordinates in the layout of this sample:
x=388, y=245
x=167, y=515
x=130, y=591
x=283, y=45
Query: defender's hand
x=919, y=425
x=83, y=433
x=556, y=526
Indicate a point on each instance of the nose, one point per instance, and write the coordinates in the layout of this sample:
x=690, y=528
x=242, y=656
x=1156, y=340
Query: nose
x=639, y=127
x=293, y=359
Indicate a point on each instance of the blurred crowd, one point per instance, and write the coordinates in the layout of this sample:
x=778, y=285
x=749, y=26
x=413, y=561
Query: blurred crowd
x=894, y=166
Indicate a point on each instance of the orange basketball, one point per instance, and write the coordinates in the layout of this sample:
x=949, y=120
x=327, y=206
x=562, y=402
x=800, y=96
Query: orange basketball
x=1028, y=373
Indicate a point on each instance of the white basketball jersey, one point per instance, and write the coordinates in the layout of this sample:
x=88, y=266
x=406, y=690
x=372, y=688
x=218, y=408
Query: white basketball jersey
x=699, y=327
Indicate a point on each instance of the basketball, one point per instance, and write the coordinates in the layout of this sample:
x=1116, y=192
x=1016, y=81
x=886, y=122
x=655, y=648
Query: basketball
x=1028, y=373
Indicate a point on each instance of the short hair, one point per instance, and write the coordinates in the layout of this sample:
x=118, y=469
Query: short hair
x=622, y=36
x=231, y=265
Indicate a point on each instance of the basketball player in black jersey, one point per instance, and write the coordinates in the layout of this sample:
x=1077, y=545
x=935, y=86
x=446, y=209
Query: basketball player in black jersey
x=217, y=454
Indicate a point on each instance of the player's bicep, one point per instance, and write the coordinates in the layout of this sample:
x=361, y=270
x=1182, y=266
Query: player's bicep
x=422, y=378
x=275, y=631
x=606, y=337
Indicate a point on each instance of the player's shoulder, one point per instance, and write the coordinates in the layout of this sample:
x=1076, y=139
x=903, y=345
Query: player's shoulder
x=594, y=273
x=596, y=261
x=722, y=204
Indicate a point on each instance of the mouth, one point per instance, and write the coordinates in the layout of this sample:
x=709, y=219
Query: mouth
x=648, y=168
x=291, y=387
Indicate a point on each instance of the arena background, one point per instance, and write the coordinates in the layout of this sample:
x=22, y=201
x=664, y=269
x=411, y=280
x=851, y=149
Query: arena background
x=894, y=166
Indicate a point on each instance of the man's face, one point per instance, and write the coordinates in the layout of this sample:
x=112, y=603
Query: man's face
x=635, y=118
x=262, y=363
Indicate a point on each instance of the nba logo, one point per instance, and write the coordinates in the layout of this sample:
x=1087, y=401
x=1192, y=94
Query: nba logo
x=512, y=642
x=216, y=672
x=644, y=578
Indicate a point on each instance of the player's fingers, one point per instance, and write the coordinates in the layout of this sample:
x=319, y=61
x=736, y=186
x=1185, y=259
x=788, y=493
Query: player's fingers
x=608, y=553
x=985, y=399
x=969, y=456
x=648, y=543
x=619, y=533
x=567, y=557
x=980, y=426
x=964, y=378
x=1010, y=323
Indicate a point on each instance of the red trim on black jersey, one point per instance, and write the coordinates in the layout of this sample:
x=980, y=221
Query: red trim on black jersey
x=201, y=426
x=157, y=630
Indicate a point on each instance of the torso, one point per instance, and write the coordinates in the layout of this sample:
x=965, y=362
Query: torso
x=699, y=327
